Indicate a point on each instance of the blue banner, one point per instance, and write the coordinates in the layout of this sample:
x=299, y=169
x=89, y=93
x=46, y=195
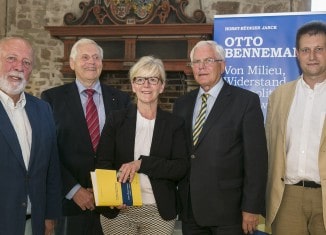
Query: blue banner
x=260, y=49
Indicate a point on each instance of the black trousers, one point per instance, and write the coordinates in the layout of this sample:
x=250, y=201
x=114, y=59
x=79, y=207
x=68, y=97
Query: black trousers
x=190, y=226
x=87, y=223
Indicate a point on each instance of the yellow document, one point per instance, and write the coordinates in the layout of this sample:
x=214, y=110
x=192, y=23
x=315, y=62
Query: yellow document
x=109, y=192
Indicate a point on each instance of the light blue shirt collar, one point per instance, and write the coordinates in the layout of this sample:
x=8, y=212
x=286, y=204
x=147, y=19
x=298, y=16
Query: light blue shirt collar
x=96, y=87
x=214, y=91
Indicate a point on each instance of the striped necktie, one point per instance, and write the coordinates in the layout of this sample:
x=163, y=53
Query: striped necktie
x=92, y=118
x=200, y=119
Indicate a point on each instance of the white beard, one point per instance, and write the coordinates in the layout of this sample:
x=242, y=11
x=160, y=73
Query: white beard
x=13, y=88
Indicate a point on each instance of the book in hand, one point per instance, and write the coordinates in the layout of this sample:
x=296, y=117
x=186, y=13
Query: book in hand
x=108, y=191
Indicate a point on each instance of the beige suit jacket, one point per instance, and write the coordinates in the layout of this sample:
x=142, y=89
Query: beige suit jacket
x=277, y=115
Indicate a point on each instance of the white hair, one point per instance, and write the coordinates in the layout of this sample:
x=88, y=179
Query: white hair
x=83, y=41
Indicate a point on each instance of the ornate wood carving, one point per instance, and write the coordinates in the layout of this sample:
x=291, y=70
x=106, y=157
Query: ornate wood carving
x=129, y=29
x=119, y=12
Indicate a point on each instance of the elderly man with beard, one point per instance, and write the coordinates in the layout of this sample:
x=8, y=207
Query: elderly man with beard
x=29, y=163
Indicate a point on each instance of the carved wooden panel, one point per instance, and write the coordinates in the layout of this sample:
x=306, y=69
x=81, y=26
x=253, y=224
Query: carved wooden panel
x=106, y=12
x=129, y=29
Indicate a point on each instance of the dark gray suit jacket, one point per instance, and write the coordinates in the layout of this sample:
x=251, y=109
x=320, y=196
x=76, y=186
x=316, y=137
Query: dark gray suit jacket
x=76, y=153
x=229, y=162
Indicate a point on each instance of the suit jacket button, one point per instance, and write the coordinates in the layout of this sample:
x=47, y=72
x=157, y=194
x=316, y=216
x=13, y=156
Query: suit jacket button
x=24, y=204
x=192, y=156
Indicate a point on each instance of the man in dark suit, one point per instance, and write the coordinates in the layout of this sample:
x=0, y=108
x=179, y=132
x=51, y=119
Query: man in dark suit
x=77, y=148
x=225, y=189
x=29, y=164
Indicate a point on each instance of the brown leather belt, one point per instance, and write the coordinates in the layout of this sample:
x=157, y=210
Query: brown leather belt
x=308, y=184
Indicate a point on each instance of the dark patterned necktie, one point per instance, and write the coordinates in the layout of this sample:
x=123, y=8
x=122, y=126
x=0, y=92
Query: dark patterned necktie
x=92, y=118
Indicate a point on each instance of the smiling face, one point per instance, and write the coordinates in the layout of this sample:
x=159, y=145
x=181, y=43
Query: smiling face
x=312, y=57
x=207, y=74
x=16, y=62
x=147, y=78
x=148, y=92
x=87, y=64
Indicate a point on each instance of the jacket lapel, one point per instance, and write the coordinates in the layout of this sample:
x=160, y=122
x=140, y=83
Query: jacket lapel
x=32, y=114
x=221, y=102
x=190, y=106
x=72, y=99
x=10, y=135
x=159, y=128
x=130, y=131
x=110, y=99
x=287, y=102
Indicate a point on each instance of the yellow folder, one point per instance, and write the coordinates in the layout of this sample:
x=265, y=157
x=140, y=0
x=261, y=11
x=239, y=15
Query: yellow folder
x=109, y=192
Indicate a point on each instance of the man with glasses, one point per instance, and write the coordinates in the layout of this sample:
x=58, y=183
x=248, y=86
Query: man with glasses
x=296, y=133
x=224, y=191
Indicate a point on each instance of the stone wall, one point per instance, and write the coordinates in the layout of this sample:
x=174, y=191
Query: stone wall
x=27, y=18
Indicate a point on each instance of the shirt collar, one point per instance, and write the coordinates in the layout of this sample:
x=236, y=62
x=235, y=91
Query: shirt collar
x=82, y=88
x=6, y=100
x=214, y=91
x=318, y=86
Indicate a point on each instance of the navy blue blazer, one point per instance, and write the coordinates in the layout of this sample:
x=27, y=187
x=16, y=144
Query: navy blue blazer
x=165, y=166
x=76, y=153
x=228, y=170
x=42, y=179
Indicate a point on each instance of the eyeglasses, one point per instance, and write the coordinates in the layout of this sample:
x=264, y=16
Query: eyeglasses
x=307, y=50
x=26, y=62
x=205, y=62
x=151, y=80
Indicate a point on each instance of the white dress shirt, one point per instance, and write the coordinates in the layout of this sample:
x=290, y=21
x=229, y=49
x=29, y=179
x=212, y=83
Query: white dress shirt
x=143, y=142
x=303, y=135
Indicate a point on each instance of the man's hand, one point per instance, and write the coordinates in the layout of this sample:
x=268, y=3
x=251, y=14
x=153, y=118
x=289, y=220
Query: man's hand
x=49, y=227
x=249, y=222
x=84, y=198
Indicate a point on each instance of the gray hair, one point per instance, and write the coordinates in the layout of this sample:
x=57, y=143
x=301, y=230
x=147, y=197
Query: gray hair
x=83, y=41
x=26, y=42
x=218, y=48
x=148, y=66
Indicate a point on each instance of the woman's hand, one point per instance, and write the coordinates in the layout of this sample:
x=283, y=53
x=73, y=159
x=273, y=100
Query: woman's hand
x=127, y=171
